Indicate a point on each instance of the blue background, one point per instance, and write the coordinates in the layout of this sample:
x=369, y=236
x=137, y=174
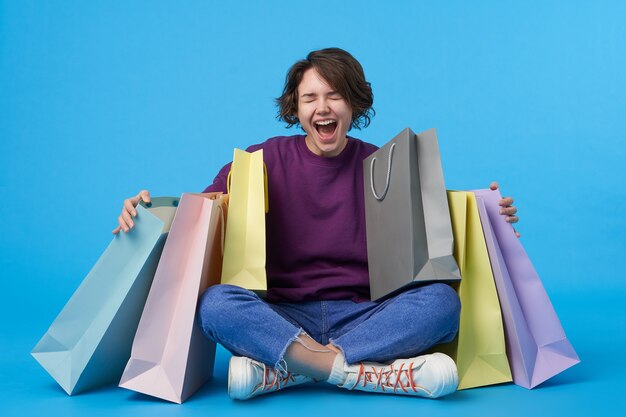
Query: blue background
x=100, y=99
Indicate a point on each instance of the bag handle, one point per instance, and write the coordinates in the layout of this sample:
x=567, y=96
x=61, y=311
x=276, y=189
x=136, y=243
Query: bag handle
x=266, y=189
x=265, y=181
x=223, y=224
x=387, y=181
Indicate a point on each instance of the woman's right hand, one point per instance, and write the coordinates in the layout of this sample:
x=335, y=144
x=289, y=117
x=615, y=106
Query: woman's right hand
x=125, y=220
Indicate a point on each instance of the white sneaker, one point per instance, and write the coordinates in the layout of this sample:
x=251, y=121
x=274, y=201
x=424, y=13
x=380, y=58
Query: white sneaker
x=429, y=376
x=248, y=378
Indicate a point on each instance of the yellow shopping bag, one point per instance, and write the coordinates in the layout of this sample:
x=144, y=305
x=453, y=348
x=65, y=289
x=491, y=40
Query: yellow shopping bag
x=479, y=349
x=244, y=245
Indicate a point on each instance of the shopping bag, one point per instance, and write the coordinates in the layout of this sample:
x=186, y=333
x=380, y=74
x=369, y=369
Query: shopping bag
x=89, y=342
x=244, y=246
x=479, y=349
x=409, y=234
x=536, y=343
x=171, y=358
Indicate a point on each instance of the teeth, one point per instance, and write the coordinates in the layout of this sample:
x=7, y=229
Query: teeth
x=324, y=122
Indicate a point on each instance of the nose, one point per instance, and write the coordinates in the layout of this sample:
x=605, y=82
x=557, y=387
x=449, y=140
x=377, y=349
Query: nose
x=322, y=106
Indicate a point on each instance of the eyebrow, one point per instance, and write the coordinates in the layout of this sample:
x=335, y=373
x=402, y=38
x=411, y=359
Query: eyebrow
x=330, y=93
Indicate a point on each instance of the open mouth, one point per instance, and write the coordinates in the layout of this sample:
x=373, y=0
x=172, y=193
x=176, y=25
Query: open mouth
x=326, y=128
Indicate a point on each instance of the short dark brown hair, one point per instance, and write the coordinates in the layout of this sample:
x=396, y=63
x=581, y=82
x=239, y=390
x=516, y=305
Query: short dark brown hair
x=342, y=72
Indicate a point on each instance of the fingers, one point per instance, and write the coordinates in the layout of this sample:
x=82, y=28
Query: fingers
x=122, y=225
x=128, y=212
x=128, y=215
x=144, y=195
x=129, y=206
x=508, y=210
x=214, y=195
x=125, y=220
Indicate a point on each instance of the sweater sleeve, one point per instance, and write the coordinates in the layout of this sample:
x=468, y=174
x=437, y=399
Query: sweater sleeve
x=219, y=183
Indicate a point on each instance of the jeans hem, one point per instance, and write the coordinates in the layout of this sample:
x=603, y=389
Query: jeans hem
x=332, y=341
x=280, y=363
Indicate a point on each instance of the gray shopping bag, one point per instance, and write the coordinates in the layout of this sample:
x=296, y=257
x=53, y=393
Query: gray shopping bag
x=409, y=232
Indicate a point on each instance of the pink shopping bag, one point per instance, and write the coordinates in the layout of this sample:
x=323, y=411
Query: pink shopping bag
x=170, y=357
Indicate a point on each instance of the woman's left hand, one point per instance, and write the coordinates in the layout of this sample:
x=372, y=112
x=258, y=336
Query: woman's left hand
x=507, y=208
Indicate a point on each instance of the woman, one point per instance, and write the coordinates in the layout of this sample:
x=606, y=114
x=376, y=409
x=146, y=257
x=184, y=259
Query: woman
x=317, y=323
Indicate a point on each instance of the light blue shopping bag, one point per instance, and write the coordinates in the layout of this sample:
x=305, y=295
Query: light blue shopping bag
x=89, y=342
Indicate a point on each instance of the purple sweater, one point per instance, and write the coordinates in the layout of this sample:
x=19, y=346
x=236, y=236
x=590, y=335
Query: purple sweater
x=316, y=248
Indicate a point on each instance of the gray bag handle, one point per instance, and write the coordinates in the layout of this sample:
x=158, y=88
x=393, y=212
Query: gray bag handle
x=388, y=181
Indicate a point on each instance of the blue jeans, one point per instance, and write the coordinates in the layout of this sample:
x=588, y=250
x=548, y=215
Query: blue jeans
x=398, y=327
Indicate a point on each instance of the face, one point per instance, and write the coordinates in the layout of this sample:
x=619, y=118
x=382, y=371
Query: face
x=324, y=115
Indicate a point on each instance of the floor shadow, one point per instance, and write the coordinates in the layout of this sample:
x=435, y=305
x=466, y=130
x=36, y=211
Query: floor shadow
x=213, y=388
x=57, y=390
x=573, y=376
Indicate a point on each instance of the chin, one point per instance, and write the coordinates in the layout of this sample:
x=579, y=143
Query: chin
x=329, y=147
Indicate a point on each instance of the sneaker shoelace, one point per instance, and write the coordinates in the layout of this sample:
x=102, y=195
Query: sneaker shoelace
x=274, y=380
x=384, y=379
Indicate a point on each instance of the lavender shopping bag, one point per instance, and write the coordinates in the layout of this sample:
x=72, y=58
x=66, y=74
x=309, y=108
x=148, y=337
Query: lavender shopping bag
x=537, y=347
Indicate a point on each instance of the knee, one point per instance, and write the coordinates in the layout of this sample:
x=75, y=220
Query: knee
x=215, y=305
x=447, y=299
x=443, y=304
x=449, y=306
